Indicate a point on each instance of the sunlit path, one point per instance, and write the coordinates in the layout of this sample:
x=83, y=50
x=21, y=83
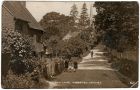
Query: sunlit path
x=97, y=62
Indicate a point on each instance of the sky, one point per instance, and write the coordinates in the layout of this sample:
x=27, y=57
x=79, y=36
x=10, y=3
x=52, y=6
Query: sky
x=39, y=9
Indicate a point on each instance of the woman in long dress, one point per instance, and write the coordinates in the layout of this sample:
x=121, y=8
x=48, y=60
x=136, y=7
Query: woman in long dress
x=91, y=54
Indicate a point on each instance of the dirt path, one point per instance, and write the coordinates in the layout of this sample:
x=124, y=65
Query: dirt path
x=93, y=72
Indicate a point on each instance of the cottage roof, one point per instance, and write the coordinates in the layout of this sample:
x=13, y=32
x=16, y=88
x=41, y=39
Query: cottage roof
x=21, y=12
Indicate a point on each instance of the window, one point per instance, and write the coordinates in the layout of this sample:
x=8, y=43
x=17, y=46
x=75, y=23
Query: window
x=19, y=26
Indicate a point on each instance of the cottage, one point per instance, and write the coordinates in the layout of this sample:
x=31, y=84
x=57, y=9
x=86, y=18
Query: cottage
x=16, y=16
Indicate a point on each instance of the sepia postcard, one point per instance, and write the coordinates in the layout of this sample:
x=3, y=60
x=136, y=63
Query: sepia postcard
x=69, y=44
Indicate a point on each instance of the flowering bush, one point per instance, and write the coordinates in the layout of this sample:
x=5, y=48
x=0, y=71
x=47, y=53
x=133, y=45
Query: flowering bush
x=22, y=63
x=20, y=48
x=6, y=39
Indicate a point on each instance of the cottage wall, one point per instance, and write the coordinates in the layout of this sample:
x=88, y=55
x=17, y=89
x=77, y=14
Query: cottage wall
x=19, y=22
x=7, y=19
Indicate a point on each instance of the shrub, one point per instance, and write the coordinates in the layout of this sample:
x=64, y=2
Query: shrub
x=128, y=68
x=22, y=63
x=6, y=39
x=14, y=81
x=21, y=81
x=20, y=48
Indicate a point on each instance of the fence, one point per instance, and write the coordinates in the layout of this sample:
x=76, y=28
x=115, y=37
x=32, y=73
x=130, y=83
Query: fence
x=128, y=54
x=52, y=67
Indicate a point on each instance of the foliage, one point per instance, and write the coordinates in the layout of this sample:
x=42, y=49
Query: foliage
x=20, y=52
x=77, y=46
x=20, y=48
x=117, y=23
x=22, y=63
x=6, y=39
x=54, y=19
x=84, y=19
x=52, y=31
x=74, y=13
x=73, y=47
x=52, y=44
x=127, y=67
x=13, y=81
x=56, y=24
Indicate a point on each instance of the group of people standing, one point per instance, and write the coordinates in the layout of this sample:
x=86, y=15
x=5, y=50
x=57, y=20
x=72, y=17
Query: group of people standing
x=71, y=66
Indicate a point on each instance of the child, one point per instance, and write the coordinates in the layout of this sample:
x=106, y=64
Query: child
x=75, y=66
x=70, y=66
x=66, y=65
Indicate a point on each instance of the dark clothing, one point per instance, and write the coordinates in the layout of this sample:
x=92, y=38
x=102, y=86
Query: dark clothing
x=45, y=72
x=56, y=68
x=75, y=65
x=91, y=53
x=66, y=64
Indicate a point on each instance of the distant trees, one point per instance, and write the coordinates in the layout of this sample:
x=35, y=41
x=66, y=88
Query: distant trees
x=74, y=12
x=58, y=25
x=53, y=19
x=74, y=47
x=52, y=31
x=81, y=21
x=84, y=19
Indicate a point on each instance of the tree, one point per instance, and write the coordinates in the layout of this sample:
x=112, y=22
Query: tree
x=117, y=24
x=53, y=19
x=84, y=19
x=52, y=31
x=74, y=12
x=55, y=23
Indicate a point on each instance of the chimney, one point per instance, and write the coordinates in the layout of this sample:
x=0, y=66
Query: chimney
x=23, y=3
